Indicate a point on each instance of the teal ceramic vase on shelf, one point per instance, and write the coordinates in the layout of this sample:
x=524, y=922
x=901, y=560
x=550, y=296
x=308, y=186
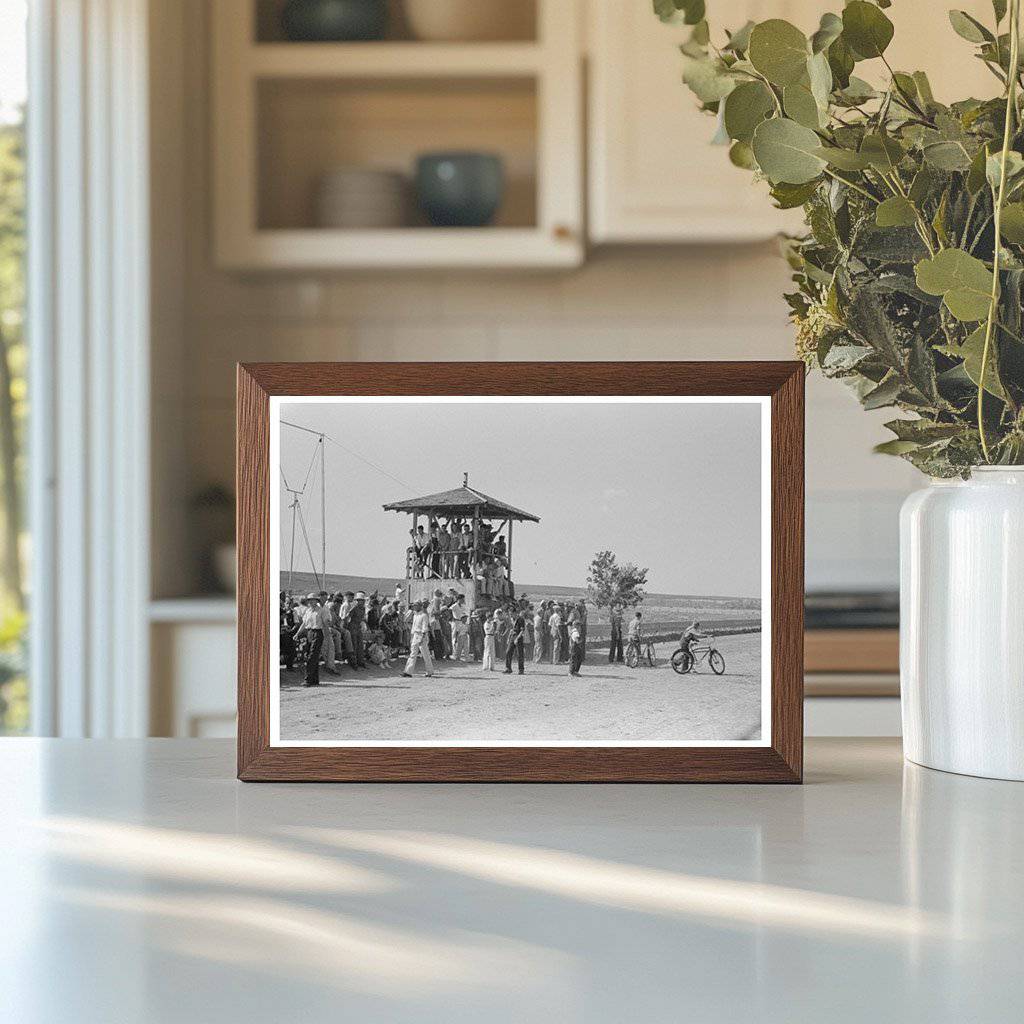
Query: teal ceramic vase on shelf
x=334, y=21
x=460, y=189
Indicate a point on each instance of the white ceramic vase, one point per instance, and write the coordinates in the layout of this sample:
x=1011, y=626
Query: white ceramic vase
x=962, y=624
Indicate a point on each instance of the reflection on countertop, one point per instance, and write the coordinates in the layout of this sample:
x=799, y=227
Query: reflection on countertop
x=148, y=885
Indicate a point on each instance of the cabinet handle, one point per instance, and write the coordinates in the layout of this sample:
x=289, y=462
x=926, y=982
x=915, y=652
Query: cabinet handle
x=562, y=232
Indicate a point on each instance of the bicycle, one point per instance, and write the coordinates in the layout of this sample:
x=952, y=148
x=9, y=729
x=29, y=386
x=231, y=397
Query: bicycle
x=634, y=655
x=685, y=660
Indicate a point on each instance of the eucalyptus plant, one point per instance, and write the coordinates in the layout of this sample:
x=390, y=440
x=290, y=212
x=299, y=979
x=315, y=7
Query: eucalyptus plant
x=910, y=277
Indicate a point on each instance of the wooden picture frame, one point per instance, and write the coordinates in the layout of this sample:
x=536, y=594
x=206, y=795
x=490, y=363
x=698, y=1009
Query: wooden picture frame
x=780, y=759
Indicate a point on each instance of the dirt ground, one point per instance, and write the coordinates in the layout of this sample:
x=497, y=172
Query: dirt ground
x=462, y=702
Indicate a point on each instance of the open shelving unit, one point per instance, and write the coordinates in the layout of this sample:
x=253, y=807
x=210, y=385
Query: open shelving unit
x=286, y=113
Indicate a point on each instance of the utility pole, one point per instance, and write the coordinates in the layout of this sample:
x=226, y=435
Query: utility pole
x=323, y=513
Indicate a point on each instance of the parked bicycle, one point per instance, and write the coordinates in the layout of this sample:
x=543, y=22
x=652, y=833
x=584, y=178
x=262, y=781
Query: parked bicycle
x=687, y=659
x=638, y=651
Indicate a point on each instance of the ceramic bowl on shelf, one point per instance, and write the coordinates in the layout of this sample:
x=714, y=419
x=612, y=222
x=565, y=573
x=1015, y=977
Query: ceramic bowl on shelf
x=470, y=20
x=334, y=21
x=460, y=189
x=362, y=197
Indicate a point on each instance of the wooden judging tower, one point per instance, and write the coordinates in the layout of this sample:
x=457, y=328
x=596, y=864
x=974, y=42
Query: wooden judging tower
x=478, y=561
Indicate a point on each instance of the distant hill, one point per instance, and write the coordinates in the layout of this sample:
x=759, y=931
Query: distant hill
x=304, y=582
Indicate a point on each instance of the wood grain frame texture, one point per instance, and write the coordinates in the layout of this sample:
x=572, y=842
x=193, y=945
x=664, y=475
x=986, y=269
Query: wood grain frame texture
x=782, y=761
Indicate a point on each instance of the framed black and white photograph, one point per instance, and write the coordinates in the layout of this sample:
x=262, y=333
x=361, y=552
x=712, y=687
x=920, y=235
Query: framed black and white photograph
x=584, y=582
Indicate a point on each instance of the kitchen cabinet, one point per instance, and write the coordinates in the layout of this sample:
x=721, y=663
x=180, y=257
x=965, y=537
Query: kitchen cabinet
x=653, y=177
x=287, y=114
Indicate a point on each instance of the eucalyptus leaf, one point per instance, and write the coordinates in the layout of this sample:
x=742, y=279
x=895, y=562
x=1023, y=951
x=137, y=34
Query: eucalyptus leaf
x=896, y=447
x=745, y=108
x=885, y=394
x=801, y=106
x=866, y=30
x=819, y=77
x=739, y=41
x=923, y=431
x=976, y=176
x=947, y=156
x=707, y=78
x=963, y=281
x=1012, y=223
x=690, y=12
x=787, y=152
x=788, y=196
x=844, y=159
x=883, y=152
x=924, y=87
x=969, y=28
x=741, y=155
x=841, y=62
x=894, y=212
x=972, y=351
x=779, y=51
x=829, y=30
x=922, y=185
x=993, y=167
x=857, y=91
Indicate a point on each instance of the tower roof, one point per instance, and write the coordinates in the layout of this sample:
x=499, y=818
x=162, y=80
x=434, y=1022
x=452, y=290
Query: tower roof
x=462, y=501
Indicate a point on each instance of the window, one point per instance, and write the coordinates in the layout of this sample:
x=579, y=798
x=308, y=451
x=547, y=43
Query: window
x=14, y=692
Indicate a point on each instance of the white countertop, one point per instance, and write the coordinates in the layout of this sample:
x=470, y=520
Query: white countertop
x=140, y=882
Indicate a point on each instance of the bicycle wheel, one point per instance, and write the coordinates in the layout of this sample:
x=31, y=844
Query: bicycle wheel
x=716, y=661
x=633, y=656
x=650, y=655
x=682, y=661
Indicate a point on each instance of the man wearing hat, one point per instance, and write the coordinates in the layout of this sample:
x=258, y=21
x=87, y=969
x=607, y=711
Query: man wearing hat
x=327, y=624
x=312, y=626
x=354, y=624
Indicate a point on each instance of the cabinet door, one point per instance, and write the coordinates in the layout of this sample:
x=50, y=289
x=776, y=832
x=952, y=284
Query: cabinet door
x=654, y=176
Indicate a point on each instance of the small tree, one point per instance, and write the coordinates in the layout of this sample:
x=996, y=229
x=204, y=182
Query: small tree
x=615, y=586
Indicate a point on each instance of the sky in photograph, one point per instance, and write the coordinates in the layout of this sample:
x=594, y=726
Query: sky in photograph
x=674, y=487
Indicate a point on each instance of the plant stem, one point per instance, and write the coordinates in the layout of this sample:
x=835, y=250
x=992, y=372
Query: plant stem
x=853, y=185
x=1011, y=108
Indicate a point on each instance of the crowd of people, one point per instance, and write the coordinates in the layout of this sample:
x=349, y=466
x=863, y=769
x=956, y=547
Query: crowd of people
x=355, y=630
x=449, y=550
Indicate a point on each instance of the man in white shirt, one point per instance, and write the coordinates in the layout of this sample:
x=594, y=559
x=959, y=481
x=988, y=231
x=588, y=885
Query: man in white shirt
x=420, y=645
x=555, y=627
x=312, y=626
x=636, y=633
x=575, y=648
x=327, y=625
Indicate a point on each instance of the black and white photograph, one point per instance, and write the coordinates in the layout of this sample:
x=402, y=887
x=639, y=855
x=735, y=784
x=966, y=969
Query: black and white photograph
x=460, y=571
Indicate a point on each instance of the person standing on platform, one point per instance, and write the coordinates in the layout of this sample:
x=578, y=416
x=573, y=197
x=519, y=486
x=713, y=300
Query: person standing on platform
x=515, y=643
x=465, y=539
x=420, y=545
x=419, y=646
x=615, y=652
x=312, y=626
x=444, y=547
x=575, y=648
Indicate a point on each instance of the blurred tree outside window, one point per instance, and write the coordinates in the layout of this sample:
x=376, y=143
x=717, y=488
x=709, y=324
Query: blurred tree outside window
x=14, y=689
